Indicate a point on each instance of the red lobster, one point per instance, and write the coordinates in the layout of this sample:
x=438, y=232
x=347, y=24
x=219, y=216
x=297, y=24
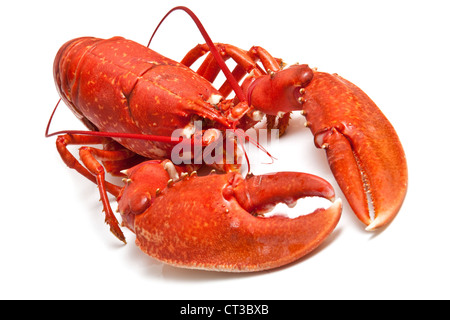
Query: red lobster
x=132, y=99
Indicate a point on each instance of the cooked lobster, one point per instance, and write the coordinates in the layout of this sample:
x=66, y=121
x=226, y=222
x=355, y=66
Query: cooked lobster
x=132, y=99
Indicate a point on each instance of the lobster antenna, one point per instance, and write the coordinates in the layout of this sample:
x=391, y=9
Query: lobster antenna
x=212, y=48
x=242, y=136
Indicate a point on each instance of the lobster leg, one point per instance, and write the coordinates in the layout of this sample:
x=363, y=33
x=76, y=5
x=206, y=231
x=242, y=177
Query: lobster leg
x=269, y=62
x=209, y=69
x=194, y=54
x=94, y=171
x=256, y=54
x=247, y=64
x=68, y=139
x=115, y=167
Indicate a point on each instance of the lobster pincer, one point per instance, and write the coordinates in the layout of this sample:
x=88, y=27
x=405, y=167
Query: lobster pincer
x=214, y=222
x=363, y=149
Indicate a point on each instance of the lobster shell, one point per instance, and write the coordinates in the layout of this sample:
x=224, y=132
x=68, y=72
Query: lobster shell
x=118, y=85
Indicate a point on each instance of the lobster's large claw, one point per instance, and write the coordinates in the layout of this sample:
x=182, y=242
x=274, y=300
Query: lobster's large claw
x=363, y=149
x=207, y=222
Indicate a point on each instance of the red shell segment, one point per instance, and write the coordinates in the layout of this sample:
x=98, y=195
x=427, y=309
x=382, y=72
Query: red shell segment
x=118, y=85
x=364, y=151
x=205, y=223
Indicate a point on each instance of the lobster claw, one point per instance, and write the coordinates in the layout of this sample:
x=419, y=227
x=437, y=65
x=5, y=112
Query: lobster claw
x=363, y=149
x=206, y=222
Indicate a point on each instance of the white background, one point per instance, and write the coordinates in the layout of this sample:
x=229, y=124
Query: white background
x=54, y=243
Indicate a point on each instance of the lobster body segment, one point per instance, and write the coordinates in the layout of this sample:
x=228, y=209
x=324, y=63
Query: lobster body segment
x=117, y=85
x=363, y=149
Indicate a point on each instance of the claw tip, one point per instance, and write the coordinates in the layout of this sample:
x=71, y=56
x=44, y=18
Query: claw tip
x=337, y=203
x=373, y=225
x=376, y=224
